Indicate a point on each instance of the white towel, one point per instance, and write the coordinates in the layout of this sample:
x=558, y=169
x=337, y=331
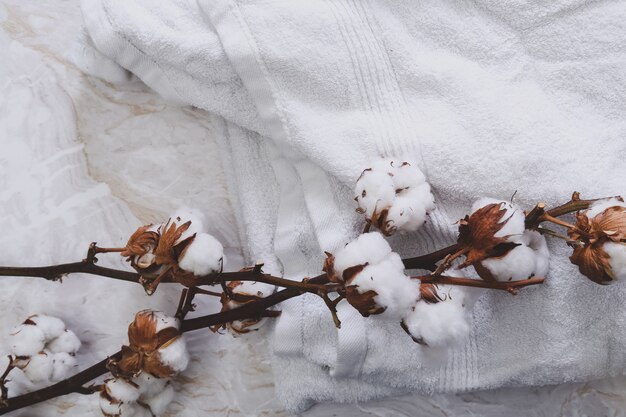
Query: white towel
x=492, y=97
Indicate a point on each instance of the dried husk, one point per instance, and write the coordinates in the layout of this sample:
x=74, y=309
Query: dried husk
x=590, y=257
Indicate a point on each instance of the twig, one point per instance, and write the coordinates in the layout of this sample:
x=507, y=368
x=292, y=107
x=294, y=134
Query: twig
x=469, y=282
x=4, y=391
x=429, y=261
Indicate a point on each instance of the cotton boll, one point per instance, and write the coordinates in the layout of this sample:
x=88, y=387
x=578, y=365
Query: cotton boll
x=39, y=367
x=63, y=364
x=66, y=342
x=203, y=256
x=149, y=385
x=537, y=242
x=52, y=327
x=396, y=292
x=367, y=248
x=158, y=403
x=27, y=340
x=617, y=258
x=122, y=390
x=175, y=355
x=601, y=205
x=442, y=324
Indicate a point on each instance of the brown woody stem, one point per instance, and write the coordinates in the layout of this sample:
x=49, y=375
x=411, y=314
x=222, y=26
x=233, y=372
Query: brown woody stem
x=429, y=261
x=468, y=282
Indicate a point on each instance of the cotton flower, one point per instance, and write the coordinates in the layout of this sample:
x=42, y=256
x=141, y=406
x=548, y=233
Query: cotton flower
x=44, y=349
x=602, y=231
x=155, y=346
x=374, y=277
x=179, y=249
x=496, y=243
x=241, y=293
x=394, y=195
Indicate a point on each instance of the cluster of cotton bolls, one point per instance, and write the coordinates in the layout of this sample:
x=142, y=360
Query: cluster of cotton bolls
x=376, y=284
x=44, y=349
x=394, y=196
x=529, y=258
x=143, y=387
x=243, y=292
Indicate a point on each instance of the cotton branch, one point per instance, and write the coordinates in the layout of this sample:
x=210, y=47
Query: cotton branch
x=510, y=286
x=75, y=384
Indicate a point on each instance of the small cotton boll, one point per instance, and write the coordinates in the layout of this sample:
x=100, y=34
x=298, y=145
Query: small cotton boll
x=27, y=340
x=438, y=325
x=601, y=205
x=39, y=367
x=617, y=258
x=51, y=326
x=175, y=355
x=122, y=390
x=515, y=225
x=523, y=261
x=66, y=342
x=158, y=403
x=374, y=191
x=396, y=291
x=63, y=364
x=203, y=256
x=367, y=248
x=149, y=384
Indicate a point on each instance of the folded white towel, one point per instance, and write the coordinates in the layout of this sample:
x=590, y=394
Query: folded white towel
x=491, y=97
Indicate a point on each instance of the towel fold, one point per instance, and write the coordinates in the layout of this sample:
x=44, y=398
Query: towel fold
x=492, y=98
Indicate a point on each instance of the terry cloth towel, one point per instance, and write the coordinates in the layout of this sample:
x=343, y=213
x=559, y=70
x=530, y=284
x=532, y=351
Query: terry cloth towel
x=492, y=97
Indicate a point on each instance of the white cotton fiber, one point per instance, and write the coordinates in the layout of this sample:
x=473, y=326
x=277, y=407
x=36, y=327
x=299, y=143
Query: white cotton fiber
x=122, y=390
x=163, y=321
x=441, y=324
x=66, y=342
x=39, y=367
x=118, y=409
x=601, y=205
x=26, y=340
x=259, y=289
x=367, y=248
x=158, y=403
x=175, y=355
x=617, y=258
x=515, y=225
x=63, y=364
x=203, y=256
x=400, y=189
x=149, y=385
x=197, y=218
x=396, y=292
x=530, y=258
x=51, y=326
